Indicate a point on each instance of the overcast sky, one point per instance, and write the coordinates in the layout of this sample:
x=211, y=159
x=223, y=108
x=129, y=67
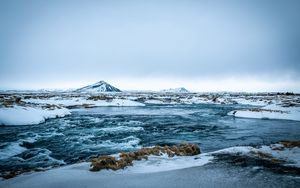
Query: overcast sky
x=201, y=45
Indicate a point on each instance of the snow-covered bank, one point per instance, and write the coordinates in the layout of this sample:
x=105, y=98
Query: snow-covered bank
x=64, y=176
x=163, y=171
x=165, y=163
x=286, y=153
x=79, y=99
x=205, y=176
x=69, y=102
x=272, y=111
x=19, y=115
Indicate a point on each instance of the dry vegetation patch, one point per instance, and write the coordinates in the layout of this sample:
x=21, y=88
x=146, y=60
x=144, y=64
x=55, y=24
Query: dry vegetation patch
x=126, y=158
x=290, y=144
x=100, y=97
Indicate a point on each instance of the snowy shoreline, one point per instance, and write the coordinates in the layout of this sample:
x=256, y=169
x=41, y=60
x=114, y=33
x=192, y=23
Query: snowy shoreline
x=269, y=112
x=78, y=175
x=20, y=115
x=35, y=108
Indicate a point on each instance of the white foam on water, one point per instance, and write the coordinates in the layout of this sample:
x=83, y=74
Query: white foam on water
x=130, y=142
x=43, y=156
x=86, y=137
x=121, y=129
x=11, y=150
x=97, y=120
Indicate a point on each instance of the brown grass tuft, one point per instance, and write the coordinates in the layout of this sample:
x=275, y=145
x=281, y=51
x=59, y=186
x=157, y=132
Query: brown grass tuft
x=126, y=158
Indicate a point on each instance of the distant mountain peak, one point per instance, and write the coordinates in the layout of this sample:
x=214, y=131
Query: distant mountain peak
x=175, y=90
x=100, y=86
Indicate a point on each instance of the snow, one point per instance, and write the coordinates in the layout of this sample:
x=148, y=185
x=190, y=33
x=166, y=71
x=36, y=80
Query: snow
x=252, y=102
x=165, y=163
x=236, y=149
x=290, y=156
x=197, y=100
x=81, y=101
x=59, y=101
x=272, y=111
x=72, y=175
x=19, y=115
x=98, y=87
x=154, y=101
x=175, y=90
x=68, y=176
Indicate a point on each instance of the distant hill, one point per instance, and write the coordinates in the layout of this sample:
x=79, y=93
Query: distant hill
x=101, y=86
x=175, y=90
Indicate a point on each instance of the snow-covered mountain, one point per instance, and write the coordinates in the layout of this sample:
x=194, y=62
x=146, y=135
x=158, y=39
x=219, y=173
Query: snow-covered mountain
x=175, y=90
x=101, y=86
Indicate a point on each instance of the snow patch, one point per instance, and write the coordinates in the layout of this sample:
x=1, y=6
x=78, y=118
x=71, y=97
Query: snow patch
x=81, y=101
x=175, y=90
x=19, y=115
x=98, y=87
x=165, y=163
x=153, y=101
x=269, y=112
x=290, y=156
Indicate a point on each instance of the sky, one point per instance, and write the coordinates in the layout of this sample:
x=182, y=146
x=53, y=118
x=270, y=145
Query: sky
x=233, y=45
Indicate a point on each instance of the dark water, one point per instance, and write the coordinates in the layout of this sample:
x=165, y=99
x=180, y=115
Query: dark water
x=109, y=130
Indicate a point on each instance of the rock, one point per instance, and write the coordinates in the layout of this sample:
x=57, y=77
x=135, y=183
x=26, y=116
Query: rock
x=290, y=144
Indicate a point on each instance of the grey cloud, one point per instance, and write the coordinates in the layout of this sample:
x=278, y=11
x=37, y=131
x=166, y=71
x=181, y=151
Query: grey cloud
x=191, y=39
